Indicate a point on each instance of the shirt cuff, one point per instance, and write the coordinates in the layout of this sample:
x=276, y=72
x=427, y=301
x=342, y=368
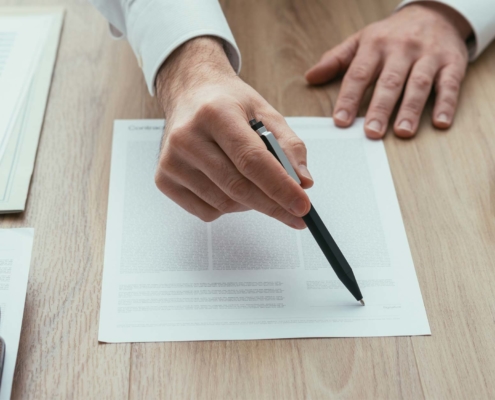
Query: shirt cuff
x=158, y=27
x=481, y=16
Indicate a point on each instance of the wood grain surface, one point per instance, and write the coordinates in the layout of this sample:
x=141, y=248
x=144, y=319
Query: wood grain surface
x=445, y=182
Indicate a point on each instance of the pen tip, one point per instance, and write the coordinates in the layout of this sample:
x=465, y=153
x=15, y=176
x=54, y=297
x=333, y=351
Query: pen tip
x=362, y=302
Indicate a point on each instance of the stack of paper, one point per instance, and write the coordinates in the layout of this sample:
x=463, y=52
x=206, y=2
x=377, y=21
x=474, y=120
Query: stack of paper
x=15, y=258
x=28, y=47
x=169, y=276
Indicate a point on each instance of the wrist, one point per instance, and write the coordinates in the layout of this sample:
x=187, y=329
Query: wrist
x=194, y=63
x=446, y=13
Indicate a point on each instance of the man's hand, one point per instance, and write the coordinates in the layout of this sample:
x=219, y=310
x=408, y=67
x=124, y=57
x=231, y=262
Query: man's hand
x=211, y=161
x=419, y=46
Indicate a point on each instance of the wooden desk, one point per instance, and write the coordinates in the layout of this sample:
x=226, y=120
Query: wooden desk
x=446, y=188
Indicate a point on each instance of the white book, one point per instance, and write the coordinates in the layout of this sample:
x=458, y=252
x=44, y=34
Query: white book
x=29, y=39
x=168, y=276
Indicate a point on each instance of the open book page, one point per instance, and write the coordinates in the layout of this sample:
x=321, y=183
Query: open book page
x=169, y=276
x=15, y=259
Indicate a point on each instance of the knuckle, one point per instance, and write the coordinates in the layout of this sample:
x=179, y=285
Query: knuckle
x=381, y=107
x=412, y=106
x=345, y=54
x=166, y=161
x=275, y=211
x=378, y=39
x=277, y=191
x=248, y=160
x=297, y=145
x=210, y=110
x=227, y=205
x=160, y=182
x=342, y=60
x=390, y=80
x=451, y=84
x=360, y=73
x=411, y=39
x=421, y=81
x=170, y=163
x=239, y=188
x=349, y=98
x=281, y=192
x=270, y=114
x=176, y=138
x=450, y=100
x=458, y=58
x=164, y=185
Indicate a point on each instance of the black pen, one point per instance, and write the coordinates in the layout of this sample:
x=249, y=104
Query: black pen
x=313, y=221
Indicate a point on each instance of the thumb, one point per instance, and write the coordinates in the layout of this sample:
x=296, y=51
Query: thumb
x=334, y=61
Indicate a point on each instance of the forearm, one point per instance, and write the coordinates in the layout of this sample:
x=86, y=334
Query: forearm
x=185, y=67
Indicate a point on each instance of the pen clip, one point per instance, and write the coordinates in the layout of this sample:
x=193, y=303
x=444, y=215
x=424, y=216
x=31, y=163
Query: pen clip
x=274, y=147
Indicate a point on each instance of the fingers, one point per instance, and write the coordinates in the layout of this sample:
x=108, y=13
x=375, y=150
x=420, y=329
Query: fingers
x=248, y=153
x=417, y=91
x=447, y=88
x=361, y=73
x=199, y=184
x=386, y=94
x=333, y=62
x=293, y=147
x=214, y=179
x=186, y=199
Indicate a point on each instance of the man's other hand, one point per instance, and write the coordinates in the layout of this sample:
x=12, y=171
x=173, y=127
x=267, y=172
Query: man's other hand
x=420, y=46
x=211, y=161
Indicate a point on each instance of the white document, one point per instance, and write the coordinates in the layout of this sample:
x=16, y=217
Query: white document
x=15, y=259
x=22, y=39
x=168, y=276
x=28, y=47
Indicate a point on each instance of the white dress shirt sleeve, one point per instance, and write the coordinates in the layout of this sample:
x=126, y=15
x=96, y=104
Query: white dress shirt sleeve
x=481, y=16
x=155, y=28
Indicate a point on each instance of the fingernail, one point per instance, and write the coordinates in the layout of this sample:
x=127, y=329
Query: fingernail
x=298, y=207
x=298, y=223
x=405, y=125
x=303, y=170
x=375, y=125
x=443, y=118
x=343, y=115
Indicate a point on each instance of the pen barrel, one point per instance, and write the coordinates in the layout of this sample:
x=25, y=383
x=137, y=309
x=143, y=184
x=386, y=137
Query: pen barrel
x=332, y=252
x=313, y=221
x=274, y=147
